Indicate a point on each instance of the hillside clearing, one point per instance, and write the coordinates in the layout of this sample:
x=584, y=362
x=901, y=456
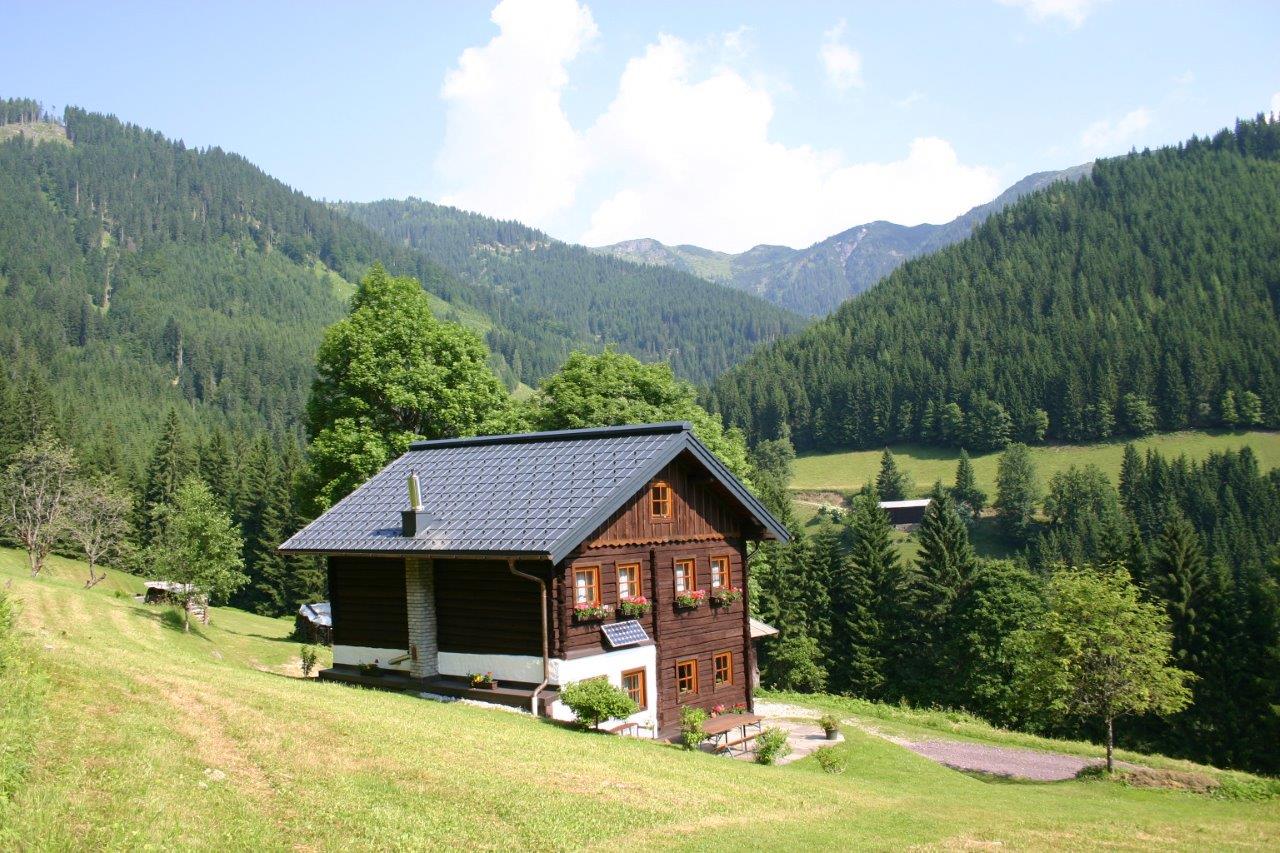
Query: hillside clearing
x=847, y=471
x=148, y=723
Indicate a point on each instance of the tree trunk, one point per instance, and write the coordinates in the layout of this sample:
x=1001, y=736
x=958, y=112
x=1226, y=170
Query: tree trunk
x=186, y=629
x=1111, y=742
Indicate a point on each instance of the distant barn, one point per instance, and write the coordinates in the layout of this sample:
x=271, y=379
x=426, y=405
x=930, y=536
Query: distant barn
x=314, y=623
x=905, y=514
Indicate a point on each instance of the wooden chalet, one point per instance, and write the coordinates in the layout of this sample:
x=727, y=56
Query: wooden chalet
x=513, y=556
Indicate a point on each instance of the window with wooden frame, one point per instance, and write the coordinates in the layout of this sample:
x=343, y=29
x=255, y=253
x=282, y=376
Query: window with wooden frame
x=629, y=584
x=723, y=668
x=660, y=501
x=686, y=575
x=633, y=683
x=586, y=585
x=720, y=574
x=687, y=676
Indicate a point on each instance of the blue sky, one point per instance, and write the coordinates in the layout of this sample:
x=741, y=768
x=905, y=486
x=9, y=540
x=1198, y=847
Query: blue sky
x=715, y=123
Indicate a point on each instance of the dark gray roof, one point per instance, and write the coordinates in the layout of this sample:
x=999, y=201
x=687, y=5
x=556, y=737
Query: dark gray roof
x=319, y=613
x=538, y=494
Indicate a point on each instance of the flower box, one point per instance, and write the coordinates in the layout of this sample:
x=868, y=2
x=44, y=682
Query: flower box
x=690, y=600
x=590, y=612
x=723, y=596
x=482, y=681
x=634, y=606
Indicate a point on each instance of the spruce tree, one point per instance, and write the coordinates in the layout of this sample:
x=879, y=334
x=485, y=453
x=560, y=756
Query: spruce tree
x=216, y=468
x=966, y=491
x=1017, y=492
x=871, y=640
x=891, y=483
x=170, y=464
x=943, y=570
x=1178, y=574
x=856, y=656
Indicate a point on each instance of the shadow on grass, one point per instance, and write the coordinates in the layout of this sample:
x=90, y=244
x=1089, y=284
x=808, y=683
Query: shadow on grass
x=171, y=618
x=288, y=638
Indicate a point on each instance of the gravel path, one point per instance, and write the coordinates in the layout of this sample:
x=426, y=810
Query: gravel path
x=1032, y=764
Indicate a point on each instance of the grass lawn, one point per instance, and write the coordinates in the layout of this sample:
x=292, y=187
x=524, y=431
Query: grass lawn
x=149, y=737
x=848, y=471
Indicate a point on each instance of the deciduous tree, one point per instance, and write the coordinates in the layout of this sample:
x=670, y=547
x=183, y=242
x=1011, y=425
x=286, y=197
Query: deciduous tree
x=33, y=496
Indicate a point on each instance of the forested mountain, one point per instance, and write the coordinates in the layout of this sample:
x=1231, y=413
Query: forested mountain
x=1144, y=296
x=815, y=280
x=651, y=312
x=137, y=273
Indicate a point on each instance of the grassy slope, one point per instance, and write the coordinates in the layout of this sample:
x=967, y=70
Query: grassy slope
x=139, y=717
x=848, y=471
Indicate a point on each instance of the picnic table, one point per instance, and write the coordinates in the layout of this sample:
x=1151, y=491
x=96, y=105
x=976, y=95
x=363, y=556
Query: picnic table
x=720, y=730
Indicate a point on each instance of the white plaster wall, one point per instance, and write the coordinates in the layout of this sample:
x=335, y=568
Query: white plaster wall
x=356, y=655
x=526, y=668
x=611, y=665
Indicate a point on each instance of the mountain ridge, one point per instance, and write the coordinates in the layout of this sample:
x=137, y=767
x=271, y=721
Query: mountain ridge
x=815, y=280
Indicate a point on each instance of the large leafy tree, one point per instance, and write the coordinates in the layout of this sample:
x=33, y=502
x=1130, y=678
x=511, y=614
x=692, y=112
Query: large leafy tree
x=390, y=373
x=198, y=548
x=612, y=388
x=98, y=521
x=1100, y=652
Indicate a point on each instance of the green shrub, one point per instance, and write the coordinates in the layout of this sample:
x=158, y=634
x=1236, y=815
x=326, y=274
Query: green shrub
x=595, y=700
x=308, y=655
x=830, y=759
x=830, y=723
x=691, y=731
x=771, y=745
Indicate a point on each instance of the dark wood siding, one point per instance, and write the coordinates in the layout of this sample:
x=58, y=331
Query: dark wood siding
x=368, y=600
x=699, y=513
x=679, y=635
x=482, y=608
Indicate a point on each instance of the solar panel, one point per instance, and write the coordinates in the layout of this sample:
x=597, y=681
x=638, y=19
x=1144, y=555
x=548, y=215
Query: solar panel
x=624, y=633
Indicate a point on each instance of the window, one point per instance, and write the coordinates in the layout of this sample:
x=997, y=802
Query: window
x=686, y=579
x=720, y=572
x=660, y=501
x=629, y=580
x=723, y=668
x=586, y=585
x=687, y=676
x=633, y=683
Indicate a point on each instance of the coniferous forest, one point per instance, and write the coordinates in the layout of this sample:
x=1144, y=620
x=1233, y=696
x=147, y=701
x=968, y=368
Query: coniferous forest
x=1142, y=297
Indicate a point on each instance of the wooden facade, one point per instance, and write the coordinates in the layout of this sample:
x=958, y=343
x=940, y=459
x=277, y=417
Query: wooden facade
x=482, y=608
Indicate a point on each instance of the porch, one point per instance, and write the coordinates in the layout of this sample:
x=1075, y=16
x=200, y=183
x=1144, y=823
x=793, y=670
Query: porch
x=514, y=694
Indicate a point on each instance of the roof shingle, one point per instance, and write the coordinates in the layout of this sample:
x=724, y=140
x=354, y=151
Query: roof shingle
x=522, y=494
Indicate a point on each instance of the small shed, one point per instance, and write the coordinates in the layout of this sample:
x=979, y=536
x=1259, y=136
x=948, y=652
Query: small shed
x=314, y=623
x=164, y=592
x=906, y=514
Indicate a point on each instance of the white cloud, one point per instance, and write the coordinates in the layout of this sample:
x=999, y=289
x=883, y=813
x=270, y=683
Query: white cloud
x=695, y=163
x=842, y=64
x=1275, y=106
x=1071, y=12
x=1106, y=136
x=1186, y=78
x=682, y=153
x=509, y=149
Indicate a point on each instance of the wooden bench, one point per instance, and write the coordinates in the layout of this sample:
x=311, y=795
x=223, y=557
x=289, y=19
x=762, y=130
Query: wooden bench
x=624, y=729
x=727, y=746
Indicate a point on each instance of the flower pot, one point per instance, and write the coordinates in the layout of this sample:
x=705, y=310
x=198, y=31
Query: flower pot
x=833, y=734
x=484, y=685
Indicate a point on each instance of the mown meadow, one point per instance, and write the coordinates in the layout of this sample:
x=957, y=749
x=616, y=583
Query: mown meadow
x=138, y=735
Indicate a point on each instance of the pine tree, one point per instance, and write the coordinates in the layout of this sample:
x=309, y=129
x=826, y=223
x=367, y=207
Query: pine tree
x=1178, y=574
x=943, y=569
x=966, y=492
x=170, y=464
x=216, y=468
x=856, y=657
x=1017, y=491
x=871, y=639
x=1227, y=409
x=891, y=483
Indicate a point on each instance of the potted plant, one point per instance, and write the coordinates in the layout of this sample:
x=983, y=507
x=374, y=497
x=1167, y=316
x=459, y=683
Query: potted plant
x=717, y=710
x=723, y=596
x=583, y=612
x=830, y=725
x=690, y=599
x=369, y=668
x=482, y=680
x=633, y=606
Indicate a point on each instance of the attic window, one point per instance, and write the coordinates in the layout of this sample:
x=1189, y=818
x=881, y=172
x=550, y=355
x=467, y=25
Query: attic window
x=660, y=501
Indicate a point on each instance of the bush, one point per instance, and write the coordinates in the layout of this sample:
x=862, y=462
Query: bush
x=595, y=700
x=691, y=731
x=830, y=760
x=308, y=656
x=829, y=723
x=771, y=745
